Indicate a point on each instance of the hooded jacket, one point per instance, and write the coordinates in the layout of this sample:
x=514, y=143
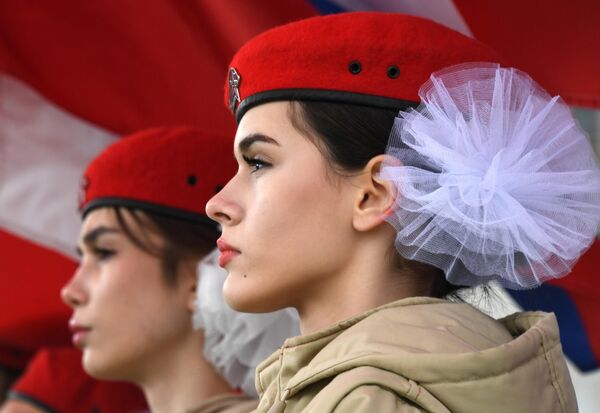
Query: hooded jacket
x=421, y=355
x=226, y=403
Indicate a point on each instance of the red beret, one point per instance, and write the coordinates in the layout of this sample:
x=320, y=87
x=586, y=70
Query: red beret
x=374, y=59
x=169, y=171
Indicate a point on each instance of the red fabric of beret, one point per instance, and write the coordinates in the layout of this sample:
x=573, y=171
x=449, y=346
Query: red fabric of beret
x=169, y=171
x=375, y=59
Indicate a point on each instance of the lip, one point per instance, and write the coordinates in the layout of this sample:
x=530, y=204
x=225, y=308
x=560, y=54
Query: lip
x=79, y=333
x=228, y=252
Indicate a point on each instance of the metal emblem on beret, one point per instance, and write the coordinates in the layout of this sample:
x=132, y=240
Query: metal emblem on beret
x=234, y=91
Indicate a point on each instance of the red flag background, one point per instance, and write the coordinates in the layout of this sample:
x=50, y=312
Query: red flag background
x=118, y=66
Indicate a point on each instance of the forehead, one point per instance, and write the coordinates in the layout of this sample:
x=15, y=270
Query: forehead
x=271, y=118
x=99, y=217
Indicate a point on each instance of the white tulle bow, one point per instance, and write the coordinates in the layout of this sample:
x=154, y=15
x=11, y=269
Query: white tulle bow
x=495, y=179
x=236, y=342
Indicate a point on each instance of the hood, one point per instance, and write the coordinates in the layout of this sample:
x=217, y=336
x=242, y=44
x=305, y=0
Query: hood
x=462, y=357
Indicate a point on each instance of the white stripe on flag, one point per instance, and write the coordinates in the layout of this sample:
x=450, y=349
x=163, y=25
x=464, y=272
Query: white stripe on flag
x=43, y=153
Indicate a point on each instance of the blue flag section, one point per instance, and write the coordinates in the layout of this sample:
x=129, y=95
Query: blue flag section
x=326, y=7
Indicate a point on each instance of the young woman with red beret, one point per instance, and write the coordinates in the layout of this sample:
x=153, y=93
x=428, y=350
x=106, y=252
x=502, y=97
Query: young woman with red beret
x=138, y=292
x=364, y=219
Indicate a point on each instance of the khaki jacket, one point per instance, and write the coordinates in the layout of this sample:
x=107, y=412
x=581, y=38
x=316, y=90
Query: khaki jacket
x=421, y=355
x=226, y=403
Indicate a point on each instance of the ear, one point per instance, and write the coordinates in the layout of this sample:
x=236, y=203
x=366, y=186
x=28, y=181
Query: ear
x=192, y=298
x=375, y=198
x=190, y=283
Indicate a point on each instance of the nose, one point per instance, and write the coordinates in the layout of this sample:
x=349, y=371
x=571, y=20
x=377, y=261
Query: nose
x=223, y=209
x=73, y=293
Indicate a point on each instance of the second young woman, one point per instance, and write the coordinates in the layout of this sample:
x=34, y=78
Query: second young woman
x=135, y=291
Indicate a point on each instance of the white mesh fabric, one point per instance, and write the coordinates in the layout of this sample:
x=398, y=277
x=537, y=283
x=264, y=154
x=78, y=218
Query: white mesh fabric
x=495, y=179
x=236, y=342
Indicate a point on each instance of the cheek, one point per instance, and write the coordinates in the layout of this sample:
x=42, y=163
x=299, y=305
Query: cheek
x=136, y=315
x=133, y=339
x=301, y=216
x=295, y=238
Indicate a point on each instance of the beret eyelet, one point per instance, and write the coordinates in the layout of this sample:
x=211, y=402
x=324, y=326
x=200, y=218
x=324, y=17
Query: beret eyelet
x=393, y=71
x=192, y=180
x=218, y=188
x=354, y=67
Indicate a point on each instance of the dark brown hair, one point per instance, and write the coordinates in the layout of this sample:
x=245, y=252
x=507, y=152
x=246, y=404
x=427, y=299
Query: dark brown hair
x=349, y=136
x=183, y=240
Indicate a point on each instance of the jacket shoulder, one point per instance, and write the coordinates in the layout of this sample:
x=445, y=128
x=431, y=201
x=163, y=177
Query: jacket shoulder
x=370, y=389
x=227, y=403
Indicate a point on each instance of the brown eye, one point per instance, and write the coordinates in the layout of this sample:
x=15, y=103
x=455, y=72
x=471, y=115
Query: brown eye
x=255, y=163
x=102, y=254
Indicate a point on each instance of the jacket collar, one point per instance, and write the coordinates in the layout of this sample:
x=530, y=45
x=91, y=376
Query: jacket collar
x=293, y=365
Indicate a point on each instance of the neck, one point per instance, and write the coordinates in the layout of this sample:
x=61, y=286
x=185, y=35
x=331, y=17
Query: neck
x=367, y=281
x=183, y=379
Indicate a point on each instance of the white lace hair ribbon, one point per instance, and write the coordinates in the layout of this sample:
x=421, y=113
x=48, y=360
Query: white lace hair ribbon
x=495, y=179
x=236, y=342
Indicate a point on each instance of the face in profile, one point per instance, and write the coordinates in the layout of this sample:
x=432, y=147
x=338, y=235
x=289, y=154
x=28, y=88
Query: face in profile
x=126, y=317
x=286, y=216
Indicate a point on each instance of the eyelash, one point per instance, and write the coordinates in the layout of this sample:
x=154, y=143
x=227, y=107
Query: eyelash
x=102, y=254
x=255, y=163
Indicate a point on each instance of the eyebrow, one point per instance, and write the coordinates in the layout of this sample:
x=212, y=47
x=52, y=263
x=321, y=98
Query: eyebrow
x=91, y=237
x=251, y=139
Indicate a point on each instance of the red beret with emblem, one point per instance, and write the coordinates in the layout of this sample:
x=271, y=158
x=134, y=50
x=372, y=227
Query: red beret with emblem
x=171, y=171
x=368, y=58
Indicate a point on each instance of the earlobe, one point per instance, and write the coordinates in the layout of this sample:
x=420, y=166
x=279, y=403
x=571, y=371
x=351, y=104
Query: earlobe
x=192, y=300
x=191, y=285
x=376, y=196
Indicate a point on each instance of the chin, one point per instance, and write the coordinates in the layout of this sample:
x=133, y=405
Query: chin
x=247, y=296
x=100, y=369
